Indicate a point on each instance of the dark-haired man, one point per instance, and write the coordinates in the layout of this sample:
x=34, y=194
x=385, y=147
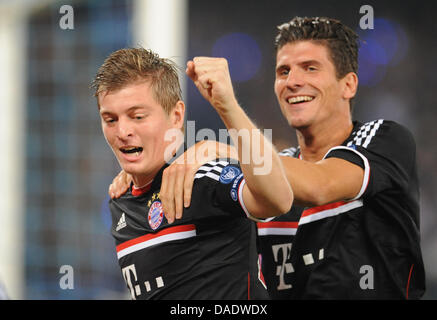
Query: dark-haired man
x=353, y=232
x=357, y=235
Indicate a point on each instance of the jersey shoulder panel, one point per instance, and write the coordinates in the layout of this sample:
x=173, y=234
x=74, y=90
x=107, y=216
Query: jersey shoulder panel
x=220, y=183
x=212, y=170
x=385, y=150
x=384, y=137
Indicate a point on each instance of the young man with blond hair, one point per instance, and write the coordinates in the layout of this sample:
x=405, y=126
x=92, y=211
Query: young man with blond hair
x=210, y=253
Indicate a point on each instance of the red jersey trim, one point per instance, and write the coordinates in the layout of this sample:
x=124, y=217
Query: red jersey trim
x=277, y=228
x=137, y=192
x=409, y=278
x=328, y=210
x=165, y=235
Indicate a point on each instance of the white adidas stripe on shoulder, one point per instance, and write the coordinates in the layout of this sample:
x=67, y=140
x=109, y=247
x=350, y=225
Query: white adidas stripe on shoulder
x=365, y=134
x=289, y=152
x=211, y=169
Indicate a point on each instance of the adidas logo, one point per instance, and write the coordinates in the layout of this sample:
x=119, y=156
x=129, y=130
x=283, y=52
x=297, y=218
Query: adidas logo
x=121, y=223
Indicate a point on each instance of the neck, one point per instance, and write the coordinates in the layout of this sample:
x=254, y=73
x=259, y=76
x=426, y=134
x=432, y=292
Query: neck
x=315, y=142
x=143, y=180
x=142, y=186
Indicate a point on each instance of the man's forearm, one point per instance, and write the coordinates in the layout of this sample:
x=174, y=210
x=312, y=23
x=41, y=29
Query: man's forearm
x=259, y=161
x=267, y=190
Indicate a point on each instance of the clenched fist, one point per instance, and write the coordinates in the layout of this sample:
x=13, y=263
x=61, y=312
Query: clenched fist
x=212, y=79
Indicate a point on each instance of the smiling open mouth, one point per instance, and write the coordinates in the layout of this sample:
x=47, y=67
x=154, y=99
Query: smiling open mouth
x=299, y=99
x=132, y=150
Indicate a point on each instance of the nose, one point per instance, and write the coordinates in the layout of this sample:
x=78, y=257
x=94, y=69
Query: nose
x=124, y=130
x=295, y=80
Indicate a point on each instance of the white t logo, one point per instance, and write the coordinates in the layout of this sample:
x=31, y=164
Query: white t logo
x=285, y=267
x=134, y=291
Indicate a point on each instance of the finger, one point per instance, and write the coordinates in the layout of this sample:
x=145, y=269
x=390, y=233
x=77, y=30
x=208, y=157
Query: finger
x=126, y=180
x=114, y=186
x=163, y=193
x=188, y=185
x=204, y=84
x=111, y=191
x=190, y=71
x=122, y=184
x=167, y=194
x=111, y=188
x=179, y=190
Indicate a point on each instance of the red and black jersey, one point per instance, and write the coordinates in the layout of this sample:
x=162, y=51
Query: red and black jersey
x=210, y=253
x=367, y=247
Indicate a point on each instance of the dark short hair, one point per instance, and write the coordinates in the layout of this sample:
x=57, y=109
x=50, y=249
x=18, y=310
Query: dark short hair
x=341, y=40
x=126, y=66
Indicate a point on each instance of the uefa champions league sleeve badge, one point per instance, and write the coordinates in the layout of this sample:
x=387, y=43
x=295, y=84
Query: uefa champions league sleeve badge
x=228, y=174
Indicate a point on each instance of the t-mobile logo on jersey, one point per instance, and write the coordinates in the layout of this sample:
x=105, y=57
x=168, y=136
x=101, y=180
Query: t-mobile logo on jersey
x=285, y=267
x=134, y=288
x=127, y=271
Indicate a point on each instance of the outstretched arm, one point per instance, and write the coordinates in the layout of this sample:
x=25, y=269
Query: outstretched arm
x=267, y=192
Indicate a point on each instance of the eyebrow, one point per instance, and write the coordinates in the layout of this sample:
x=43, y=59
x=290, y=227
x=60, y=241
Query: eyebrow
x=301, y=63
x=133, y=108
x=282, y=67
x=309, y=62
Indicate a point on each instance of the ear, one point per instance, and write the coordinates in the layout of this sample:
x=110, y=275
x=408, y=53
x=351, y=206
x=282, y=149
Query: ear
x=350, y=82
x=178, y=115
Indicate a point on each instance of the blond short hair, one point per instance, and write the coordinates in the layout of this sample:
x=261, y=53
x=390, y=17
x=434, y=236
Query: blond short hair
x=126, y=66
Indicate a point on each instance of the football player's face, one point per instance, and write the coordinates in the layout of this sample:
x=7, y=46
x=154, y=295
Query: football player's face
x=306, y=85
x=134, y=125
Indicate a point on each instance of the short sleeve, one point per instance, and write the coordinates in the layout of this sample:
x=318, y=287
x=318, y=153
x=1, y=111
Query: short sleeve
x=385, y=150
x=228, y=186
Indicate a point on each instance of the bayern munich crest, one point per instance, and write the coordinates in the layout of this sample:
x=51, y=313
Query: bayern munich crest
x=156, y=215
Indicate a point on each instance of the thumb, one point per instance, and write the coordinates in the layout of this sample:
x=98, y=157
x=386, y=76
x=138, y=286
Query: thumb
x=190, y=71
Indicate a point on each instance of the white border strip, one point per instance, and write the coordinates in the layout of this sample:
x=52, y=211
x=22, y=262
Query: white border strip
x=331, y=212
x=157, y=240
x=277, y=231
x=366, y=168
x=240, y=199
